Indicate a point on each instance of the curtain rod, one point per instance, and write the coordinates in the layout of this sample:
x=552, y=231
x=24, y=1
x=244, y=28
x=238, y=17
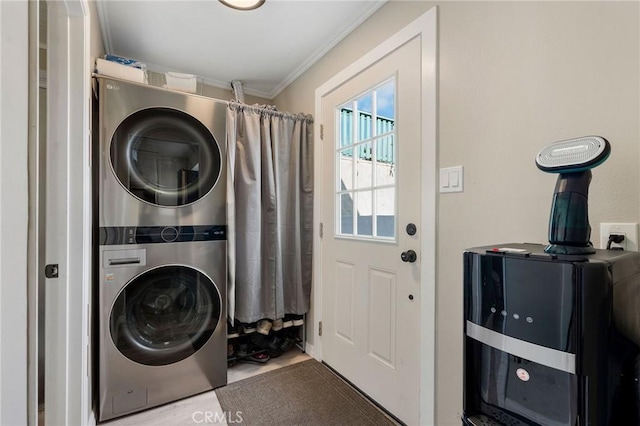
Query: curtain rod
x=268, y=110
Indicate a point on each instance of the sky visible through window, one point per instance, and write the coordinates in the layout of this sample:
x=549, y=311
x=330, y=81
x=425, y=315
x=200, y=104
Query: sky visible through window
x=386, y=101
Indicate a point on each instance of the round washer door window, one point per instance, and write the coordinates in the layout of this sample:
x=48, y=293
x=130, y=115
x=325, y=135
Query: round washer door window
x=165, y=315
x=165, y=157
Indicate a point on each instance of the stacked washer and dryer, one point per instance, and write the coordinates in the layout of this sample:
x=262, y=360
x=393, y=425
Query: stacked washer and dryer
x=161, y=272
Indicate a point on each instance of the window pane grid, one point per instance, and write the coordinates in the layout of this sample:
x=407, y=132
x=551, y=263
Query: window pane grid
x=350, y=191
x=365, y=155
x=379, y=135
x=385, y=140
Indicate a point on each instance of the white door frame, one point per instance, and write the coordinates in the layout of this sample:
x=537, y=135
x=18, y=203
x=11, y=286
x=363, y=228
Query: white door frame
x=35, y=250
x=425, y=27
x=68, y=215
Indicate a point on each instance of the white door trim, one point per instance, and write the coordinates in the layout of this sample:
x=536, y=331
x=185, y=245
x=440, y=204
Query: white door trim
x=68, y=213
x=426, y=28
x=35, y=229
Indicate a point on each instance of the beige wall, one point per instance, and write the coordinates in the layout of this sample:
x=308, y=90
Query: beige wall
x=96, y=47
x=14, y=125
x=514, y=77
x=227, y=95
x=159, y=79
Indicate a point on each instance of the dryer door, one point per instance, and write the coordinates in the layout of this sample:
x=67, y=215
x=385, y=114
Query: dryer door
x=165, y=315
x=165, y=157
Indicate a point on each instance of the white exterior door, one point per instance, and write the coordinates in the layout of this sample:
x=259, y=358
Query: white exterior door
x=371, y=192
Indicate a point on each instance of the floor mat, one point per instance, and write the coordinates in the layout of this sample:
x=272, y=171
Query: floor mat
x=307, y=393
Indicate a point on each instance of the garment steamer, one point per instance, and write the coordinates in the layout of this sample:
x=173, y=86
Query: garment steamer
x=551, y=332
x=573, y=159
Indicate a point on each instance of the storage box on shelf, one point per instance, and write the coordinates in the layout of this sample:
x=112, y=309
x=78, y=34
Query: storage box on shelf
x=123, y=72
x=183, y=82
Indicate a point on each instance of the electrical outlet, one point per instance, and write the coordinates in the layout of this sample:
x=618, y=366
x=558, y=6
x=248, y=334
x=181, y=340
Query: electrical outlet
x=629, y=230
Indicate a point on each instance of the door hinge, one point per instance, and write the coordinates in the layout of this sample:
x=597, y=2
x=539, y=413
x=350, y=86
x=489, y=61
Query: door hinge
x=319, y=328
x=321, y=231
x=322, y=132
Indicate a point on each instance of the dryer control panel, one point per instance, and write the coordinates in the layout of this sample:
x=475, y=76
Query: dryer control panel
x=120, y=235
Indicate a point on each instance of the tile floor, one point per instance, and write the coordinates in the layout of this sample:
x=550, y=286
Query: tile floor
x=204, y=409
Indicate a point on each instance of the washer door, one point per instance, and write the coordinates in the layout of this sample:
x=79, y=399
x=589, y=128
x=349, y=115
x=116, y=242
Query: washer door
x=165, y=315
x=165, y=157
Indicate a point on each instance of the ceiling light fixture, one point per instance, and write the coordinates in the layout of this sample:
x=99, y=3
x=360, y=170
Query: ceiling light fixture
x=243, y=4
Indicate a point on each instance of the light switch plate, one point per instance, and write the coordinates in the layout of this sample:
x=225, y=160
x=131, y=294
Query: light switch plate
x=451, y=179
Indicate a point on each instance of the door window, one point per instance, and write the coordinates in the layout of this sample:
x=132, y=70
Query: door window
x=165, y=157
x=366, y=165
x=165, y=315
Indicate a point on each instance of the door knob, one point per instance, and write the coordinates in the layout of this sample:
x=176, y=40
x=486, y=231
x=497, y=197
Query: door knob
x=409, y=256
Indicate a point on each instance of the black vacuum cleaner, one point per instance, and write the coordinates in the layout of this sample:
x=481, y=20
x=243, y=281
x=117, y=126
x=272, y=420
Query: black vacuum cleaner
x=551, y=332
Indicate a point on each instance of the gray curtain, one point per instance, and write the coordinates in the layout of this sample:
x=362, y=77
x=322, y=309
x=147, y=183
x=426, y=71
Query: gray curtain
x=270, y=212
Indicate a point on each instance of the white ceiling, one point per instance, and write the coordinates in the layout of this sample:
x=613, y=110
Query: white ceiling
x=266, y=48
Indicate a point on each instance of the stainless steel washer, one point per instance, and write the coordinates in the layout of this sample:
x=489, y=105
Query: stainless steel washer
x=161, y=159
x=162, y=328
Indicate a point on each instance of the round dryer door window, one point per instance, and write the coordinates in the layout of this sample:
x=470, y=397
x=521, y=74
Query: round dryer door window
x=165, y=157
x=165, y=315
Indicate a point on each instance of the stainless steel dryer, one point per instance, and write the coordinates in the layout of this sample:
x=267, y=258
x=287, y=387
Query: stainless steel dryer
x=162, y=328
x=161, y=159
